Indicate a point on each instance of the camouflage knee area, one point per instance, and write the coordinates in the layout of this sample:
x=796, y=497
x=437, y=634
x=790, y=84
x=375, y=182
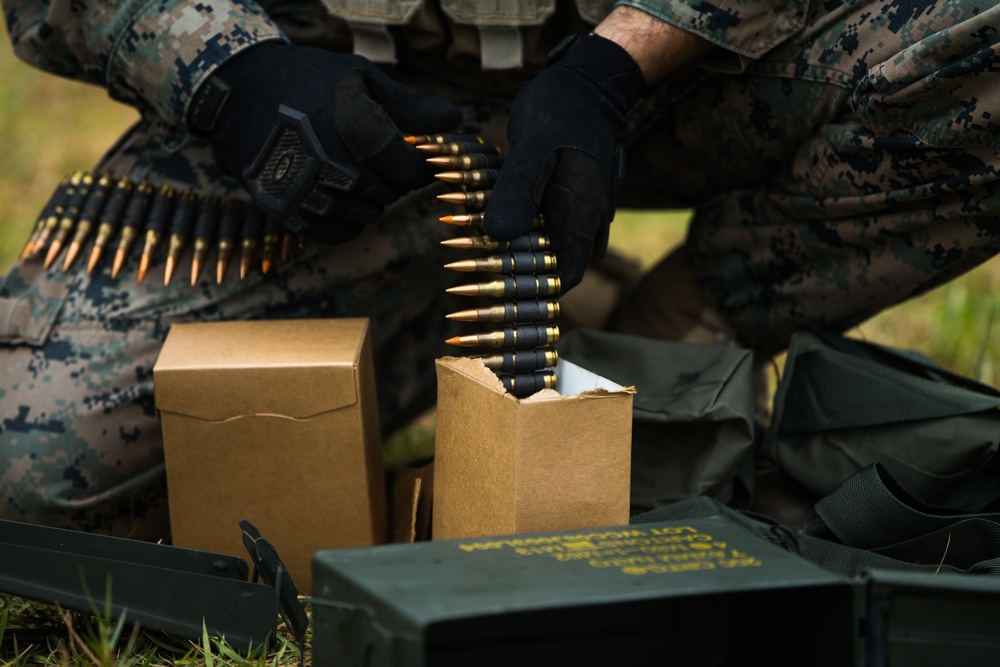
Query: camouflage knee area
x=852, y=167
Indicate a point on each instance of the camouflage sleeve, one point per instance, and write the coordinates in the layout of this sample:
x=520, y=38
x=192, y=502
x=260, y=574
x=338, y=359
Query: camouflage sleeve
x=149, y=54
x=750, y=28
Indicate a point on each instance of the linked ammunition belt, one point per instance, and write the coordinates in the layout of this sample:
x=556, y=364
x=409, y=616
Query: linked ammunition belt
x=99, y=211
x=522, y=271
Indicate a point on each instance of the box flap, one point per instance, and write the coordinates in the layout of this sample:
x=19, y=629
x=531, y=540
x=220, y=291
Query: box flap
x=571, y=380
x=475, y=417
x=227, y=370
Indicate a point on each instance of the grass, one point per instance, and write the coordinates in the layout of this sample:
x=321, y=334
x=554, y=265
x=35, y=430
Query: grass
x=50, y=127
x=97, y=640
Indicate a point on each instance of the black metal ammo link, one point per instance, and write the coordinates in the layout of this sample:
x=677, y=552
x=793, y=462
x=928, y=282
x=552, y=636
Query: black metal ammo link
x=98, y=209
x=527, y=284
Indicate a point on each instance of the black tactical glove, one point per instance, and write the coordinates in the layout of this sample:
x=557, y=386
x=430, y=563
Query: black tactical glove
x=315, y=136
x=563, y=158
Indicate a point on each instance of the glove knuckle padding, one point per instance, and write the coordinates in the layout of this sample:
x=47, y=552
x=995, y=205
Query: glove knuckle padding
x=353, y=109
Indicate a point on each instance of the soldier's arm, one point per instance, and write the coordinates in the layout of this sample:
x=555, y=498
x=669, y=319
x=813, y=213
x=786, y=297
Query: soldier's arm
x=149, y=55
x=744, y=28
x=658, y=47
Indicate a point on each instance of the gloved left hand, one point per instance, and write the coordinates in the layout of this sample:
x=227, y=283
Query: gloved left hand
x=563, y=156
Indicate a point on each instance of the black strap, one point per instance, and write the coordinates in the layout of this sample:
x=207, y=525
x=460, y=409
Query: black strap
x=207, y=103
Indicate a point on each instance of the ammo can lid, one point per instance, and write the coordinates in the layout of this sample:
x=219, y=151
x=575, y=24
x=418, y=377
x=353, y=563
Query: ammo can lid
x=430, y=582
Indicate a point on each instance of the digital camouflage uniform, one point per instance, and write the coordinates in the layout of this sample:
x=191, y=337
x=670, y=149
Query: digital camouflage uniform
x=840, y=157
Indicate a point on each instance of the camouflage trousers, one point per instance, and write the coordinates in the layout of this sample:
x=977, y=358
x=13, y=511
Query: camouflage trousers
x=821, y=196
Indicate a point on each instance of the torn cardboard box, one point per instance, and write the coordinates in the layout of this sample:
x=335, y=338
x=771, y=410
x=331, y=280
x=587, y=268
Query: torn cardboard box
x=275, y=422
x=556, y=460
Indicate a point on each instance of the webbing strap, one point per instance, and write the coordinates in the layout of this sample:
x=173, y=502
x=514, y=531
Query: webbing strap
x=871, y=511
x=500, y=47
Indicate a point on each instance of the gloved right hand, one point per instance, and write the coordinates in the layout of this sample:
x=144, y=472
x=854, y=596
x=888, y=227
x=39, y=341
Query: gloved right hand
x=315, y=136
x=563, y=159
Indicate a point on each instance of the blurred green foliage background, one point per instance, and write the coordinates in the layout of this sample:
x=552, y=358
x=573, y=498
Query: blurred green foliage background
x=50, y=127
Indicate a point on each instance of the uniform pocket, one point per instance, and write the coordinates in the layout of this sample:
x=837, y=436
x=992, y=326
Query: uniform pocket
x=30, y=302
x=944, y=89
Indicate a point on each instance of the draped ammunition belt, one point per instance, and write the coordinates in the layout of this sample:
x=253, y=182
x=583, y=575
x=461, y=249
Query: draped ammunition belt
x=123, y=216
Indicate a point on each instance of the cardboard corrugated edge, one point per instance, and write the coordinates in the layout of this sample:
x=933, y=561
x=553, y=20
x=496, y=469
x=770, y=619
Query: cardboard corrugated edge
x=476, y=369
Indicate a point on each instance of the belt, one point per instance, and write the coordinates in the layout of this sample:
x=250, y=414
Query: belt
x=88, y=208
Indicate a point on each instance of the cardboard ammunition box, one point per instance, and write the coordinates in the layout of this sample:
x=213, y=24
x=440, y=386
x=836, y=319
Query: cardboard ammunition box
x=275, y=422
x=558, y=459
x=693, y=593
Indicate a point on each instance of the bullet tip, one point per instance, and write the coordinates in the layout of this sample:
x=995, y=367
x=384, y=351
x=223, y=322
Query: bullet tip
x=71, y=253
x=168, y=270
x=95, y=254
x=117, y=266
x=454, y=340
x=449, y=176
x=53, y=253
x=195, y=271
x=143, y=267
x=465, y=265
x=463, y=316
x=453, y=197
x=464, y=290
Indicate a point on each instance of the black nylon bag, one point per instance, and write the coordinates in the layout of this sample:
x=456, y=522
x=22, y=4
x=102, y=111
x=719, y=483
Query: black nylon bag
x=867, y=523
x=844, y=404
x=692, y=413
